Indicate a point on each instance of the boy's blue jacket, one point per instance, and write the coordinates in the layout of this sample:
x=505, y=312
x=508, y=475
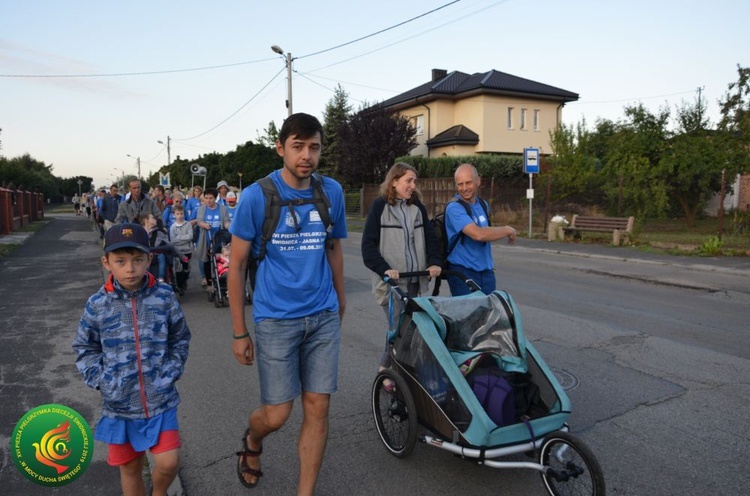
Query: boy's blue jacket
x=132, y=346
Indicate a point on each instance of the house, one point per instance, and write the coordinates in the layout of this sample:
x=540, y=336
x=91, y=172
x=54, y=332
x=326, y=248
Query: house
x=492, y=112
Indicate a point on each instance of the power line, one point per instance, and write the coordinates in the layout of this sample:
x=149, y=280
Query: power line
x=236, y=111
x=142, y=73
x=451, y=21
x=379, y=32
x=223, y=66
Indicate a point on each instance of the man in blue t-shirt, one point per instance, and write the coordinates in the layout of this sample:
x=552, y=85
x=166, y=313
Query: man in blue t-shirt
x=298, y=302
x=472, y=252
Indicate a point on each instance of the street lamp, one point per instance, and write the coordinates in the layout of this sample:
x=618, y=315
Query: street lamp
x=169, y=160
x=138, y=161
x=277, y=49
x=240, y=174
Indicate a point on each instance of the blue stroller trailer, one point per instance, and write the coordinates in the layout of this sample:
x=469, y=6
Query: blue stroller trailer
x=433, y=346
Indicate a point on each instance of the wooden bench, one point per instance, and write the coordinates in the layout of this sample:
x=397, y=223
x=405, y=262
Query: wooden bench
x=620, y=227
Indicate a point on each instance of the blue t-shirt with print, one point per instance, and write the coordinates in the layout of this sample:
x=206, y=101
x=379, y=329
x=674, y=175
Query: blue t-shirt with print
x=230, y=212
x=192, y=205
x=294, y=279
x=213, y=219
x=468, y=253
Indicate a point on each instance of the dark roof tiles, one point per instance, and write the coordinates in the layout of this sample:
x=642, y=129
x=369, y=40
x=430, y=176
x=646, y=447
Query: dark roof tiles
x=456, y=83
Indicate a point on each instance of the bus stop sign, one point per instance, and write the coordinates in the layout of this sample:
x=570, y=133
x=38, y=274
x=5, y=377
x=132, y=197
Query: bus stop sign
x=531, y=160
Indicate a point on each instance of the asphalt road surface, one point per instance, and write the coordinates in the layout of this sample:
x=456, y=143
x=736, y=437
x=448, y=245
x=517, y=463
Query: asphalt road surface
x=653, y=351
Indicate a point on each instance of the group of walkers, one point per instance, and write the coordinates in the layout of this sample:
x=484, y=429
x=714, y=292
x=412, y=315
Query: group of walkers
x=298, y=306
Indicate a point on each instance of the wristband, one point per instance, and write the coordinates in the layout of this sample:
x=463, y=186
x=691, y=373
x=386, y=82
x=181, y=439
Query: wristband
x=242, y=336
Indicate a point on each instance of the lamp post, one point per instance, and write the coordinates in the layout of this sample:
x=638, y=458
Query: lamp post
x=169, y=160
x=277, y=49
x=240, y=174
x=79, y=187
x=138, y=161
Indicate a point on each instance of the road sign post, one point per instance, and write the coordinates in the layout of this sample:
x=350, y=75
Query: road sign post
x=530, y=167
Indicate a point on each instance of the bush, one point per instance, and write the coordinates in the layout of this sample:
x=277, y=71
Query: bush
x=505, y=166
x=711, y=247
x=741, y=222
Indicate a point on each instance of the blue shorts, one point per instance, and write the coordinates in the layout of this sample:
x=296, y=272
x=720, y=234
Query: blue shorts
x=296, y=355
x=485, y=279
x=141, y=434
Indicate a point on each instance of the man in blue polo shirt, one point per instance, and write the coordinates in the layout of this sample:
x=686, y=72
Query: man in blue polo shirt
x=472, y=253
x=297, y=305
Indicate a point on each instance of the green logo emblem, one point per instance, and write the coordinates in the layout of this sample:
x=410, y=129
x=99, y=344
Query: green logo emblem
x=52, y=445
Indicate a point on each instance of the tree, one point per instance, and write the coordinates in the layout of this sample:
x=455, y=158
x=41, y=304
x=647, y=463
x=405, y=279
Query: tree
x=735, y=119
x=632, y=180
x=270, y=137
x=574, y=164
x=335, y=114
x=369, y=141
x=693, y=160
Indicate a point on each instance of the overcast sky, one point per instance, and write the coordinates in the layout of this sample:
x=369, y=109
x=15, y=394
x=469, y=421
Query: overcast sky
x=137, y=79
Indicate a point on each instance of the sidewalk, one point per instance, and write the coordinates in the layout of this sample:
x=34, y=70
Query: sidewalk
x=46, y=281
x=634, y=255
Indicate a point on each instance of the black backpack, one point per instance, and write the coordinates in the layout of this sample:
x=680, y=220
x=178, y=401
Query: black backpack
x=441, y=234
x=273, y=214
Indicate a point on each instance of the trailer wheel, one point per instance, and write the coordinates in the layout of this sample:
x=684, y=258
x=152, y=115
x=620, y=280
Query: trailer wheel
x=395, y=413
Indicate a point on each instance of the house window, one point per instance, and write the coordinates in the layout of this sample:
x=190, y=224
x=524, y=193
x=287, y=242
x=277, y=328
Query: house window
x=510, y=118
x=417, y=123
x=523, y=119
x=536, y=119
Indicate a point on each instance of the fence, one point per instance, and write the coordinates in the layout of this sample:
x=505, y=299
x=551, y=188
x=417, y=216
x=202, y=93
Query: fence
x=436, y=192
x=18, y=208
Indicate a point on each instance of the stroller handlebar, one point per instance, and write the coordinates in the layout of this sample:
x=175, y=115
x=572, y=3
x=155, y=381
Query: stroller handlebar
x=443, y=275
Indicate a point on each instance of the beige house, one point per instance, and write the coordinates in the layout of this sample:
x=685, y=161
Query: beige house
x=492, y=112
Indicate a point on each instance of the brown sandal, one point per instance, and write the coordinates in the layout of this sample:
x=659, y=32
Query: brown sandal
x=242, y=466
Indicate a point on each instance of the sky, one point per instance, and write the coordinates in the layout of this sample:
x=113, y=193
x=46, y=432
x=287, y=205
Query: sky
x=203, y=73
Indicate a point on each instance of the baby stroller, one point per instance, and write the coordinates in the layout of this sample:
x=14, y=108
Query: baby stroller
x=218, y=290
x=172, y=257
x=515, y=405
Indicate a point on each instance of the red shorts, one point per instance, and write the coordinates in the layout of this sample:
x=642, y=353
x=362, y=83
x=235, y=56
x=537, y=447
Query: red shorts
x=120, y=454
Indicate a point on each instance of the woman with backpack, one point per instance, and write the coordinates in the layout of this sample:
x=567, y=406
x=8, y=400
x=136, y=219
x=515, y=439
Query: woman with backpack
x=398, y=237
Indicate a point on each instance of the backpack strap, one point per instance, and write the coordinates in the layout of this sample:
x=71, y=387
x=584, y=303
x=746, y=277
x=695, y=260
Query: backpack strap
x=272, y=213
x=322, y=205
x=273, y=209
x=461, y=235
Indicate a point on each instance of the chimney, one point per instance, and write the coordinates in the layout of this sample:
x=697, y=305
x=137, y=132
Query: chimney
x=438, y=74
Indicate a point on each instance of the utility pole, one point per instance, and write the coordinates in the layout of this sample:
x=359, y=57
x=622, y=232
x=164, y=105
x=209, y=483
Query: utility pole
x=288, y=58
x=169, y=157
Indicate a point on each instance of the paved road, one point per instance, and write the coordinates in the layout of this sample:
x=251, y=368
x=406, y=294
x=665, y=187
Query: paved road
x=663, y=413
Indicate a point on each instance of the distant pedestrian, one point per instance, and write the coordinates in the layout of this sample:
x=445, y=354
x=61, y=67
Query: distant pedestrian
x=132, y=344
x=159, y=197
x=132, y=208
x=110, y=206
x=77, y=204
x=210, y=217
x=181, y=235
x=168, y=213
x=223, y=188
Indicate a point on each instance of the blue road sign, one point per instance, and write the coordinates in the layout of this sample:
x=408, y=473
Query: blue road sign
x=531, y=160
